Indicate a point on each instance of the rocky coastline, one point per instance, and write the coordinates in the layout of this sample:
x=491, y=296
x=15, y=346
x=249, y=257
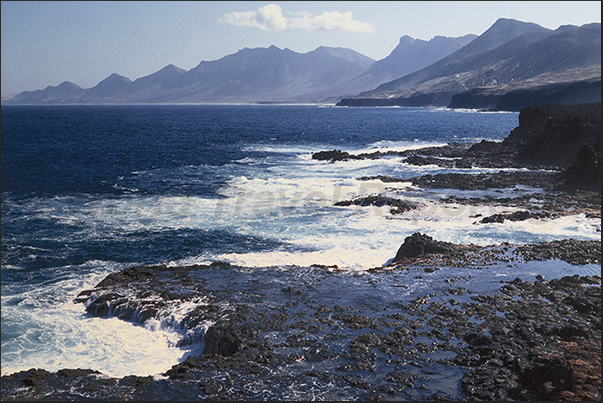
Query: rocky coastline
x=264, y=339
x=323, y=333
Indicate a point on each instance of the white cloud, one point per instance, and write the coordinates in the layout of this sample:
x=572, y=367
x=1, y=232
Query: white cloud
x=331, y=21
x=270, y=17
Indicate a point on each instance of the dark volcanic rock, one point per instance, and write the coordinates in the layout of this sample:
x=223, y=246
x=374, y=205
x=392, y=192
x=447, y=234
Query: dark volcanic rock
x=334, y=155
x=585, y=172
x=450, y=150
x=553, y=134
x=550, y=136
x=322, y=343
x=570, y=250
x=225, y=338
x=542, y=348
x=420, y=161
x=499, y=180
x=516, y=216
x=400, y=206
x=420, y=249
x=564, y=140
x=419, y=244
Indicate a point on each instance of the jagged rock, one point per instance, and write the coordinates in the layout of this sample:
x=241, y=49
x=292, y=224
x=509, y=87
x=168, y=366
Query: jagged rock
x=571, y=250
x=585, y=172
x=419, y=244
x=420, y=161
x=553, y=134
x=225, y=338
x=400, y=206
x=540, y=349
x=334, y=155
x=516, y=216
x=498, y=180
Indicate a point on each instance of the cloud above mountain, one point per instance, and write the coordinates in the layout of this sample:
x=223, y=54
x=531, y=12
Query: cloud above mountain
x=270, y=17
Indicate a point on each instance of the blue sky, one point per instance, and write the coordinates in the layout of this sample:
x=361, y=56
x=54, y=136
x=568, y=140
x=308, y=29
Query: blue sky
x=46, y=43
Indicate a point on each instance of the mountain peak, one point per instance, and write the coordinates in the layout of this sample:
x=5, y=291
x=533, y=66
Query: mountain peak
x=406, y=40
x=502, y=31
x=513, y=27
x=69, y=85
x=172, y=68
x=343, y=54
x=117, y=78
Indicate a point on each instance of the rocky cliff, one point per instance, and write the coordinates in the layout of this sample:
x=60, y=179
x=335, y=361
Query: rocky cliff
x=554, y=134
x=572, y=86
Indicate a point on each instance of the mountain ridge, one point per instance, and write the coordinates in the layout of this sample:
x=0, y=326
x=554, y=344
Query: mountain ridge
x=416, y=72
x=527, y=55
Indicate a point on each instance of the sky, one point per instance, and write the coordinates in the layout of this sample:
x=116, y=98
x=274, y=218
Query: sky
x=48, y=42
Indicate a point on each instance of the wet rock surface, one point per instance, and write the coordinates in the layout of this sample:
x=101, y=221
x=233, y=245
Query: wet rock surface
x=545, y=347
x=293, y=333
x=503, y=179
x=564, y=140
x=555, y=150
x=422, y=249
x=420, y=244
x=399, y=206
x=334, y=155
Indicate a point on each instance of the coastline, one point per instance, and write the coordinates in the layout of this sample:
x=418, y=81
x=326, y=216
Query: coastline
x=304, y=336
x=332, y=330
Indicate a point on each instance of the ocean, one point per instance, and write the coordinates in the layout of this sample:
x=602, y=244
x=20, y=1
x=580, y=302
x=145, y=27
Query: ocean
x=90, y=190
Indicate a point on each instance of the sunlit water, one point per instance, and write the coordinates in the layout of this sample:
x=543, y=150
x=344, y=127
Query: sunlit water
x=90, y=190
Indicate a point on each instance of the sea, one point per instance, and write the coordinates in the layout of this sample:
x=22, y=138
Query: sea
x=88, y=190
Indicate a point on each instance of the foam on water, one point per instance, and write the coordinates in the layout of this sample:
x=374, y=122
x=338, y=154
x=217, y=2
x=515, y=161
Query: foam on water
x=294, y=201
x=43, y=328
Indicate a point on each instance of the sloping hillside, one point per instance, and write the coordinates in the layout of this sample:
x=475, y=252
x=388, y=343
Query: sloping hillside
x=533, y=52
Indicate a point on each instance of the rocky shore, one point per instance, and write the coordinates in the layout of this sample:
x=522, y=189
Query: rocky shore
x=558, y=145
x=272, y=334
x=323, y=333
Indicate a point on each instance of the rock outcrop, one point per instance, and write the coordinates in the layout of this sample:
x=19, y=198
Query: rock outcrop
x=553, y=134
x=420, y=244
x=564, y=140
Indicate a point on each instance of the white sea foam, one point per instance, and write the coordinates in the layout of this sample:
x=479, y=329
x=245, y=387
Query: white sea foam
x=48, y=330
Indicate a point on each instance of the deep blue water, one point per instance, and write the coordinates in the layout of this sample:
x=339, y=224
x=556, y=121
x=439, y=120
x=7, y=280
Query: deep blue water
x=94, y=150
x=89, y=190
x=70, y=153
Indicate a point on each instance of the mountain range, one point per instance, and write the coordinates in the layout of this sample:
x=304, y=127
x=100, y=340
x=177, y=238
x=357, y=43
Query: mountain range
x=510, y=56
x=510, y=61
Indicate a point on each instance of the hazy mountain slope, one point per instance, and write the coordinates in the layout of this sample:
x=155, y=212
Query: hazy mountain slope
x=528, y=55
x=414, y=54
x=272, y=74
x=509, y=52
x=66, y=92
x=501, y=32
x=409, y=55
x=108, y=89
x=250, y=75
x=562, y=87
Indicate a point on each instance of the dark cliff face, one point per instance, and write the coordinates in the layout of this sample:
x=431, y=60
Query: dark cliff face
x=532, y=92
x=553, y=134
x=568, y=136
